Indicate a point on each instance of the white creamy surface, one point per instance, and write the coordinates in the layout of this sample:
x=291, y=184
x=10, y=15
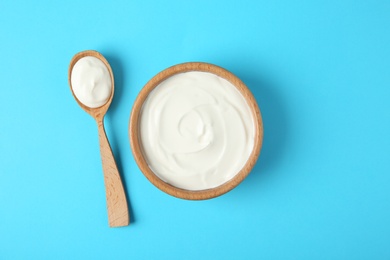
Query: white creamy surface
x=196, y=130
x=91, y=82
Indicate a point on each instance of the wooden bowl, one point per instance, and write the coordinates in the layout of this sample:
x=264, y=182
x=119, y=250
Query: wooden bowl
x=136, y=145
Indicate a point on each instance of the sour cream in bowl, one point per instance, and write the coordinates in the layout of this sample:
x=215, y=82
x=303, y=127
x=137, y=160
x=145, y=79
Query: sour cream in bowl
x=195, y=131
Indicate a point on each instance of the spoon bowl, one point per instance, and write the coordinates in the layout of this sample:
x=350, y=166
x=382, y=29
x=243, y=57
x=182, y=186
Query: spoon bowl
x=98, y=112
x=115, y=195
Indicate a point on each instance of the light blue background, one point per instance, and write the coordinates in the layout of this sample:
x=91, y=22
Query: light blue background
x=320, y=71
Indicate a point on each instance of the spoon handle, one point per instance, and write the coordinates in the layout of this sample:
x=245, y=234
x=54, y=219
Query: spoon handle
x=118, y=214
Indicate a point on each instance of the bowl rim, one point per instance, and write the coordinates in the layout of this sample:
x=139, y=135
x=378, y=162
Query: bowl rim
x=136, y=144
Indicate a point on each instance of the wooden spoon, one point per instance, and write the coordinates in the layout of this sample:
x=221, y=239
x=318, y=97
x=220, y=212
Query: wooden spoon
x=115, y=195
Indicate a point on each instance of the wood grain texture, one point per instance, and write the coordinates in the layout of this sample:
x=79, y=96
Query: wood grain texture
x=115, y=194
x=118, y=214
x=136, y=145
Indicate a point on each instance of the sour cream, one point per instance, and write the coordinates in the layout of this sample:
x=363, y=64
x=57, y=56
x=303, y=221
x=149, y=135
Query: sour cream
x=196, y=130
x=91, y=82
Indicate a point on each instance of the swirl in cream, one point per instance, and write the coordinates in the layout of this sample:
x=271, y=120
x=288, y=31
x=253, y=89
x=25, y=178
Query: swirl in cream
x=91, y=82
x=196, y=130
